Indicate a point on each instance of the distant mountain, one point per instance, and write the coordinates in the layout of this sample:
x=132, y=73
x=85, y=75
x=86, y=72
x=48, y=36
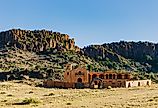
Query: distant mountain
x=44, y=54
x=37, y=40
x=133, y=56
x=38, y=54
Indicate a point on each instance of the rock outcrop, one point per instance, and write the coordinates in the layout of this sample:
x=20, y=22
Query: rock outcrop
x=140, y=56
x=134, y=50
x=40, y=51
x=37, y=40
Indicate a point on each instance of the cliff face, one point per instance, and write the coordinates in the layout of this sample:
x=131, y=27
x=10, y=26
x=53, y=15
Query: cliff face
x=135, y=56
x=37, y=40
x=134, y=50
x=37, y=54
x=53, y=50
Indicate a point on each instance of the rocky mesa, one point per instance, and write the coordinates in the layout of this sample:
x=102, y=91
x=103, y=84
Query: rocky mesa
x=44, y=54
x=37, y=40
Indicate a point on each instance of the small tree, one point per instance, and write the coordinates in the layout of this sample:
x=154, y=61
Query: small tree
x=90, y=67
x=151, y=75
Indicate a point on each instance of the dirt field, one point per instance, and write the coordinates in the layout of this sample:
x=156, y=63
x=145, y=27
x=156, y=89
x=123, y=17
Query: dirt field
x=17, y=95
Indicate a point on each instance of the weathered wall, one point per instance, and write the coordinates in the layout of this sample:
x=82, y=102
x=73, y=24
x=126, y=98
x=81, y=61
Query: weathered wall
x=73, y=75
x=58, y=84
x=136, y=83
x=110, y=78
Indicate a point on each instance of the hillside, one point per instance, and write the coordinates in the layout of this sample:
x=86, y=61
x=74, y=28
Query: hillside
x=37, y=40
x=132, y=56
x=38, y=54
x=44, y=54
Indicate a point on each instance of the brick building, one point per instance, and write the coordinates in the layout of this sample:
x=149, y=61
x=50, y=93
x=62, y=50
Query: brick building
x=82, y=78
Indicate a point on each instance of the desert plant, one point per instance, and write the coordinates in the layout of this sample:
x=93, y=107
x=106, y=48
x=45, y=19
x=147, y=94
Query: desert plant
x=68, y=103
x=2, y=92
x=29, y=101
x=9, y=95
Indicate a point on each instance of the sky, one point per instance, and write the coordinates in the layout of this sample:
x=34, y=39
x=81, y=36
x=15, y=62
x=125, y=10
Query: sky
x=88, y=21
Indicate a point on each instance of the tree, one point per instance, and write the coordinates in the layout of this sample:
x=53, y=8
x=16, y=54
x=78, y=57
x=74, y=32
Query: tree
x=90, y=67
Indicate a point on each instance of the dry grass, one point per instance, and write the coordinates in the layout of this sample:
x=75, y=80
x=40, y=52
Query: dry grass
x=13, y=95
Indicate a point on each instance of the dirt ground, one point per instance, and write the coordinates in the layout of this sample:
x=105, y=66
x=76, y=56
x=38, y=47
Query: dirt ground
x=18, y=95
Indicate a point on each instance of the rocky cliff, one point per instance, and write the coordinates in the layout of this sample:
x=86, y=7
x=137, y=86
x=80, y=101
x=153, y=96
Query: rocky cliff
x=44, y=54
x=134, y=50
x=37, y=40
x=38, y=54
x=138, y=56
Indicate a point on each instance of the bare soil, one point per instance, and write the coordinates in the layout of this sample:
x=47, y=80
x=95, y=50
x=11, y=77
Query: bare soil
x=17, y=95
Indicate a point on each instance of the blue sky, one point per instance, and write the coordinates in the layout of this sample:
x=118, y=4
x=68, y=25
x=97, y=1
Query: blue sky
x=88, y=21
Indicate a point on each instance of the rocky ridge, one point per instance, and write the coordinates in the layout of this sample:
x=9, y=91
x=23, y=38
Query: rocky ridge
x=38, y=54
x=37, y=40
x=44, y=54
x=138, y=56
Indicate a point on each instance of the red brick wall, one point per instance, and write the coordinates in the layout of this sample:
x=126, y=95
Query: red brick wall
x=109, y=78
x=73, y=75
x=48, y=83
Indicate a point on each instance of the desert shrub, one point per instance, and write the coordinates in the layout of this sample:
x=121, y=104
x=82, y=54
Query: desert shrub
x=68, y=103
x=151, y=100
x=2, y=92
x=4, y=100
x=51, y=94
x=29, y=101
x=142, y=77
x=152, y=76
x=9, y=95
x=30, y=92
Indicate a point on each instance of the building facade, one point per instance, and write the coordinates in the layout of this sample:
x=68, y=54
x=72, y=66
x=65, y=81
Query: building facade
x=82, y=78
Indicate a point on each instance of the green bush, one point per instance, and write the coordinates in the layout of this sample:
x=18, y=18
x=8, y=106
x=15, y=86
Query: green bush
x=29, y=101
x=51, y=94
x=152, y=76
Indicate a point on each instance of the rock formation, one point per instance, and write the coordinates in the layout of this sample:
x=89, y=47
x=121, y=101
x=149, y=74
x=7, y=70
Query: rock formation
x=37, y=40
x=137, y=55
x=43, y=50
x=134, y=50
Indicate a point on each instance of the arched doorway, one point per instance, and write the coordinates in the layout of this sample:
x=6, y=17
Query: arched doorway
x=126, y=76
x=113, y=76
x=129, y=84
x=79, y=80
x=79, y=84
x=107, y=76
x=110, y=76
x=138, y=83
x=96, y=83
x=119, y=76
x=94, y=76
x=101, y=76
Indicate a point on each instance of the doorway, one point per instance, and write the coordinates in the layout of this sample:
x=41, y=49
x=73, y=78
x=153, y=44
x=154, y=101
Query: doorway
x=79, y=80
x=79, y=84
x=129, y=84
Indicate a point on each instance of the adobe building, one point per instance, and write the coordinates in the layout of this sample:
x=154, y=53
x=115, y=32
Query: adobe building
x=82, y=78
